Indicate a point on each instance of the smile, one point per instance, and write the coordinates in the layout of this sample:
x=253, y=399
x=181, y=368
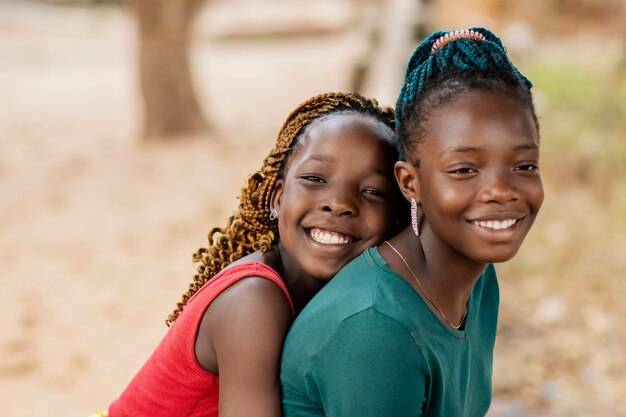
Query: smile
x=495, y=224
x=326, y=237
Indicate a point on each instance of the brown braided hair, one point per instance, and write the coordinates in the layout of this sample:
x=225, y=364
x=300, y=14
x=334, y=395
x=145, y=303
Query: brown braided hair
x=249, y=229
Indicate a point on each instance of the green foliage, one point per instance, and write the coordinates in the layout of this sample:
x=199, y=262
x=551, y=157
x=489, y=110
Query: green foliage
x=583, y=114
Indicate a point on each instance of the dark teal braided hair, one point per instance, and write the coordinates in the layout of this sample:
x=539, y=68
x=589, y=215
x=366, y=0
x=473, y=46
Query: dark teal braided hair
x=461, y=65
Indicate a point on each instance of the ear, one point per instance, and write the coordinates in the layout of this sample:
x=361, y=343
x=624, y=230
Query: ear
x=277, y=195
x=407, y=178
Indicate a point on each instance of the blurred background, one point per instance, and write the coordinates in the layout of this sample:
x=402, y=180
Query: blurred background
x=128, y=128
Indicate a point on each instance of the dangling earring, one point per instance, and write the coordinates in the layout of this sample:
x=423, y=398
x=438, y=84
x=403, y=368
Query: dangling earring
x=414, y=221
x=273, y=215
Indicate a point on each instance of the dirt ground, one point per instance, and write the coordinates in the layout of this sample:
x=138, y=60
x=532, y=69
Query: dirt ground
x=96, y=228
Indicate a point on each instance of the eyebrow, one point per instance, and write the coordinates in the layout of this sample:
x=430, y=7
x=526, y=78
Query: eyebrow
x=529, y=146
x=460, y=149
x=323, y=158
x=377, y=171
x=469, y=149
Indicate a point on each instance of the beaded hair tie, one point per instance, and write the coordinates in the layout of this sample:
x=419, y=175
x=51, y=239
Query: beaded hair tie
x=455, y=36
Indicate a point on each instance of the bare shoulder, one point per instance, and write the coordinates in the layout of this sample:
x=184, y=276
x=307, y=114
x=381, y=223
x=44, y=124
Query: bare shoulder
x=255, y=316
x=252, y=296
x=249, y=318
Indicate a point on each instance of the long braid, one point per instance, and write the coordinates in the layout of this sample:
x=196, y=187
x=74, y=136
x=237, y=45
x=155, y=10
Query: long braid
x=249, y=229
x=446, y=64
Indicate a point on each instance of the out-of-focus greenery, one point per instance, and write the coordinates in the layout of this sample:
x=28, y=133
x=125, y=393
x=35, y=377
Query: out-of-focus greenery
x=583, y=107
x=584, y=123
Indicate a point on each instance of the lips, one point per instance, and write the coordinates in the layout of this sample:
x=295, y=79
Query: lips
x=328, y=237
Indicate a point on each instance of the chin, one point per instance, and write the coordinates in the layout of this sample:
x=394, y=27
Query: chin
x=499, y=256
x=325, y=274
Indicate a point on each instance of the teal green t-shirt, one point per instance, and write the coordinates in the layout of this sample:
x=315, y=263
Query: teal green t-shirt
x=368, y=345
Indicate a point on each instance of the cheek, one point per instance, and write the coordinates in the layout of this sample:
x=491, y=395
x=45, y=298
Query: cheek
x=286, y=218
x=533, y=192
x=443, y=197
x=380, y=223
x=450, y=198
x=538, y=195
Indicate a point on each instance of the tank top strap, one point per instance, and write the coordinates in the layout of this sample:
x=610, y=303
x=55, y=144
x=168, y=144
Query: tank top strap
x=235, y=273
x=258, y=269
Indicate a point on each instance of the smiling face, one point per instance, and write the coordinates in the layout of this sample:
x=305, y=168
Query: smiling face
x=338, y=195
x=478, y=179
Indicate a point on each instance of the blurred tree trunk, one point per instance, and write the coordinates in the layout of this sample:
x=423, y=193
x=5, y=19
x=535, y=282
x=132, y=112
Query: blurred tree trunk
x=388, y=27
x=369, y=27
x=171, y=106
x=623, y=34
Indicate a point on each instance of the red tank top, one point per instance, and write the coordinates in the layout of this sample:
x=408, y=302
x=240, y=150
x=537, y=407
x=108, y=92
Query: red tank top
x=172, y=383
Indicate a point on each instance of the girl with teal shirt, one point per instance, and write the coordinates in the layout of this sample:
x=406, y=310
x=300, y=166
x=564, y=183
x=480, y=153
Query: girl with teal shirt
x=408, y=328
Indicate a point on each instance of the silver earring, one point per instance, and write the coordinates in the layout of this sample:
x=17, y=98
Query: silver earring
x=273, y=215
x=414, y=222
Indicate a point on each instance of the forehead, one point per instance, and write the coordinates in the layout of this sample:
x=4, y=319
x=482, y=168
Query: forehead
x=480, y=118
x=341, y=137
x=347, y=121
x=337, y=127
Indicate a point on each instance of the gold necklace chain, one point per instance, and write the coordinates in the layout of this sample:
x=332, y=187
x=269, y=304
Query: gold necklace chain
x=455, y=327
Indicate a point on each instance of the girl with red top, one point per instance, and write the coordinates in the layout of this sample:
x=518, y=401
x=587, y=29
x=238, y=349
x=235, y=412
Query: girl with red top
x=325, y=193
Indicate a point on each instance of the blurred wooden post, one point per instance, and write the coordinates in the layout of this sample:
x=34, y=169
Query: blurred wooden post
x=380, y=71
x=369, y=14
x=623, y=35
x=171, y=106
x=423, y=19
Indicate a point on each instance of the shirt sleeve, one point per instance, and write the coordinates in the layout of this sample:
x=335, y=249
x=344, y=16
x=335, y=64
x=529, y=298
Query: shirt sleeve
x=369, y=366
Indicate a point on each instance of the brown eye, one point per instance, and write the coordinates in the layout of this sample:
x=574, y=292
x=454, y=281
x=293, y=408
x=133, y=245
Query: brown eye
x=463, y=172
x=527, y=168
x=312, y=178
x=375, y=194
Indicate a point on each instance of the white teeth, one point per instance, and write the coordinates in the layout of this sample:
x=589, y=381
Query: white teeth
x=495, y=224
x=326, y=237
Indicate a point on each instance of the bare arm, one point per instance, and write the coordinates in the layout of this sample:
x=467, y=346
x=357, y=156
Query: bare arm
x=241, y=337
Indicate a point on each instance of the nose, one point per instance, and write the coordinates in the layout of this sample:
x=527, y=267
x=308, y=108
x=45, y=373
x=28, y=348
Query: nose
x=340, y=203
x=499, y=187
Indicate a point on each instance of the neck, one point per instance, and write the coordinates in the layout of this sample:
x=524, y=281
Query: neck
x=302, y=287
x=446, y=276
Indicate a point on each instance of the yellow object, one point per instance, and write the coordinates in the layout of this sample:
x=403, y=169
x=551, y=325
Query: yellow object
x=99, y=414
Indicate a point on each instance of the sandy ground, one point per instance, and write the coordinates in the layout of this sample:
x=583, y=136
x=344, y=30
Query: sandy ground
x=97, y=229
